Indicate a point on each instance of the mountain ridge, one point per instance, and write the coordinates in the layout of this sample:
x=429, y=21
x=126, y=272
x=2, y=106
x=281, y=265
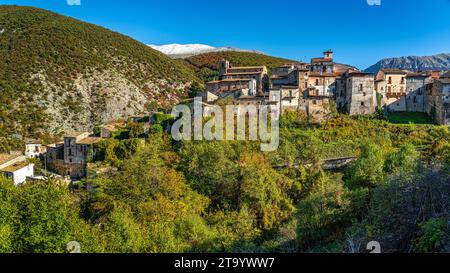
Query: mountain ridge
x=413, y=63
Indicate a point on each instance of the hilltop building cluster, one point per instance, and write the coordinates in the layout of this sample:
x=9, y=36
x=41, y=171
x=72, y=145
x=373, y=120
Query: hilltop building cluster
x=312, y=87
x=66, y=160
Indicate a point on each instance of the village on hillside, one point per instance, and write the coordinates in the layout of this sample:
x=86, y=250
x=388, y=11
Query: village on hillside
x=310, y=88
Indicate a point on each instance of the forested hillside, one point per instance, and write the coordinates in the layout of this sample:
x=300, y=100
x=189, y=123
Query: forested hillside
x=164, y=196
x=60, y=74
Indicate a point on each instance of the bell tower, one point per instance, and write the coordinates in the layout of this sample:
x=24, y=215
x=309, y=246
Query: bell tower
x=224, y=65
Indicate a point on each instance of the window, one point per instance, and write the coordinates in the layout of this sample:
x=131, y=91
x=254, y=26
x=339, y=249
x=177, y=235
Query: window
x=317, y=81
x=361, y=88
x=70, y=152
x=415, y=99
x=390, y=80
x=363, y=104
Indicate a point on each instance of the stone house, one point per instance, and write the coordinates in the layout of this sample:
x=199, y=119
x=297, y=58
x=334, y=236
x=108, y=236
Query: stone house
x=235, y=77
x=390, y=85
x=70, y=157
x=417, y=86
x=285, y=97
x=438, y=101
x=356, y=93
x=315, y=110
x=323, y=65
x=290, y=75
x=34, y=149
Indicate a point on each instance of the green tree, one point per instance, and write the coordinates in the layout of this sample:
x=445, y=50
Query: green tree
x=368, y=170
x=433, y=235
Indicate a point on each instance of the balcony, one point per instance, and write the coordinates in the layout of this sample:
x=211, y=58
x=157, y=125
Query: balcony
x=395, y=95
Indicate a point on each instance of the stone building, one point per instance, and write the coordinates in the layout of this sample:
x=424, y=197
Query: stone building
x=34, y=149
x=438, y=101
x=356, y=93
x=70, y=157
x=390, y=85
x=417, y=86
x=290, y=75
x=285, y=97
x=322, y=77
x=322, y=84
x=232, y=78
x=315, y=109
x=323, y=65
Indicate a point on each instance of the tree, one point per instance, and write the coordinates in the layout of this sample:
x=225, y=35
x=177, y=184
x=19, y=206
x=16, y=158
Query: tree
x=403, y=161
x=8, y=216
x=123, y=233
x=324, y=215
x=263, y=190
x=433, y=235
x=44, y=217
x=368, y=169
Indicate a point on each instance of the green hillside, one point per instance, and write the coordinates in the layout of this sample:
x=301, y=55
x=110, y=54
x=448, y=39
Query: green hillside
x=59, y=74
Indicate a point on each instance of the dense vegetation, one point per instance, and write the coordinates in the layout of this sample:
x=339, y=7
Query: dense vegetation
x=163, y=196
x=42, y=53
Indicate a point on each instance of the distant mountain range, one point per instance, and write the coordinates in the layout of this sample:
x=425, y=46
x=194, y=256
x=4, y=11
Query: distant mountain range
x=414, y=63
x=189, y=50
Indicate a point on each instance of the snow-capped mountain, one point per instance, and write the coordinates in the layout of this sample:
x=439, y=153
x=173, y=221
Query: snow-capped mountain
x=188, y=50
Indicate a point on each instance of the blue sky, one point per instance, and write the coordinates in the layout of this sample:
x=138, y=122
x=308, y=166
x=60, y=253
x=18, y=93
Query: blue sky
x=358, y=33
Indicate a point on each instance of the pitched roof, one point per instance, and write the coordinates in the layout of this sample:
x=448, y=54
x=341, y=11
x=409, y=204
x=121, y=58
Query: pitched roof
x=4, y=158
x=393, y=71
x=241, y=73
x=16, y=166
x=247, y=67
x=90, y=140
x=320, y=60
x=230, y=80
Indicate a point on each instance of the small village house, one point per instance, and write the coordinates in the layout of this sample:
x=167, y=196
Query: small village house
x=356, y=93
x=15, y=166
x=417, y=86
x=438, y=100
x=34, y=149
x=390, y=85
